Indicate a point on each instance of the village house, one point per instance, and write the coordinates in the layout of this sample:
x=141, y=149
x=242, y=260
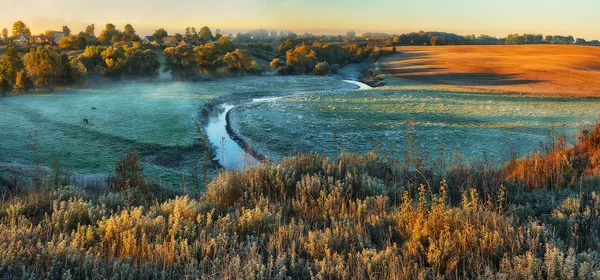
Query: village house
x=185, y=42
x=57, y=36
x=41, y=40
x=148, y=40
x=170, y=41
x=20, y=40
x=151, y=40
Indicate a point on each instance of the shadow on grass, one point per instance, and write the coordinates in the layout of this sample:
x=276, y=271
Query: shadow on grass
x=472, y=79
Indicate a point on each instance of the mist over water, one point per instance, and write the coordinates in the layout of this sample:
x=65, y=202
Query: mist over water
x=158, y=119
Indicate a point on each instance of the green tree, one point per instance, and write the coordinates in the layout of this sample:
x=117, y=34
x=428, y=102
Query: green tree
x=322, y=68
x=142, y=63
x=205, y=34
x=286, y=45
x=160, y=33
x=110, y=34
x=66, y=31
x=5, y=34
x=90, y=31
x=19, y=28
x=129, y=34
x=91, y=57
x=115, y=62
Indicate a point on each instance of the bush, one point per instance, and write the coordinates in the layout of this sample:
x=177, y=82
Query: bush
x=322, y=68
x=128, y=173
x=335, y=68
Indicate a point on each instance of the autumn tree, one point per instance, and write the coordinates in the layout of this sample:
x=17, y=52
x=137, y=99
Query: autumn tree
x=322, y=68
x=10, y=65
x=286, y=45
x=208, y=57
x=43, y=67
x=181, y=62
x=48, y=33
x=78, y=42
x=225, y=45
x=302, y=59
x=5, y=34
x=19, y=28
x=22, y=81
x=239, y=61
x=160, y=33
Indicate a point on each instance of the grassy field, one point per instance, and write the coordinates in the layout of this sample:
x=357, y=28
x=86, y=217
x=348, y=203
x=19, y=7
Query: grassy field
x=469, y=122
x=561, y=70
x=315, y=217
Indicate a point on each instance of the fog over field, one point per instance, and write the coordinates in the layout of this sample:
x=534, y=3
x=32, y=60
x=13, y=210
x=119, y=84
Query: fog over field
x=158, y=120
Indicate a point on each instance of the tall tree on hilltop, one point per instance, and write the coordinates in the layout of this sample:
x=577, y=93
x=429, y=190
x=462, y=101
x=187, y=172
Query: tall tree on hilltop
x=19, y=28
x=160, y=33
x=110, y=34
x=90, y=30
x=66, y=31
x=129, y=33
x=205, y=34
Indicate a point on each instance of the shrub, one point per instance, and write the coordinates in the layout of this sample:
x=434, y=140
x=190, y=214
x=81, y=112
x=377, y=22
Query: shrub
x=128, y=173
x=322, y=68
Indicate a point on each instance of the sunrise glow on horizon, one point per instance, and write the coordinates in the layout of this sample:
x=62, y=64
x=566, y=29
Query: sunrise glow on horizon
x=498, y=18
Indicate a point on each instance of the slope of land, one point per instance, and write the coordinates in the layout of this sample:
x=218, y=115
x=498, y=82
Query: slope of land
x=559, y=70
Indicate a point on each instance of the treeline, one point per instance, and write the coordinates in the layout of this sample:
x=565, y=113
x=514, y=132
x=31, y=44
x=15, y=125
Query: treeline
x=120, y=61
x=42, y=67
x=302, y=57
x=46, y=68
x=443, y=38
x=207, y=61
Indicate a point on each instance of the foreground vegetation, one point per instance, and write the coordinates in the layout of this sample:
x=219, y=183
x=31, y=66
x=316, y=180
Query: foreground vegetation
x=375, y=216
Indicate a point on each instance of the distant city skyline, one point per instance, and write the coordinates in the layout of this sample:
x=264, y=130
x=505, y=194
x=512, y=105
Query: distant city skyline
x=579, y=18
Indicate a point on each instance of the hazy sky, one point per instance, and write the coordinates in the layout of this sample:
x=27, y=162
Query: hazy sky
x=580, y=18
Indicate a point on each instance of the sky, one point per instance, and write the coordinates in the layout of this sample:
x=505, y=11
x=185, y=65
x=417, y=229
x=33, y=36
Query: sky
x=580, y=18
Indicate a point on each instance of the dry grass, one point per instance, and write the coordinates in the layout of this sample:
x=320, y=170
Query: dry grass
x=558, y=165
x=313, y=217
x=558, y=70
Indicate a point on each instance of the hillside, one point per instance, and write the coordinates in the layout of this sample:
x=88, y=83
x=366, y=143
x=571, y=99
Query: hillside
x=558, y=70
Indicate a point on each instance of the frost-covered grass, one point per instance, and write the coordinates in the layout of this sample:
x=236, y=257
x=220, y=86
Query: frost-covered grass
x=467, y=121
x=157, y=119
x=310, y=217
